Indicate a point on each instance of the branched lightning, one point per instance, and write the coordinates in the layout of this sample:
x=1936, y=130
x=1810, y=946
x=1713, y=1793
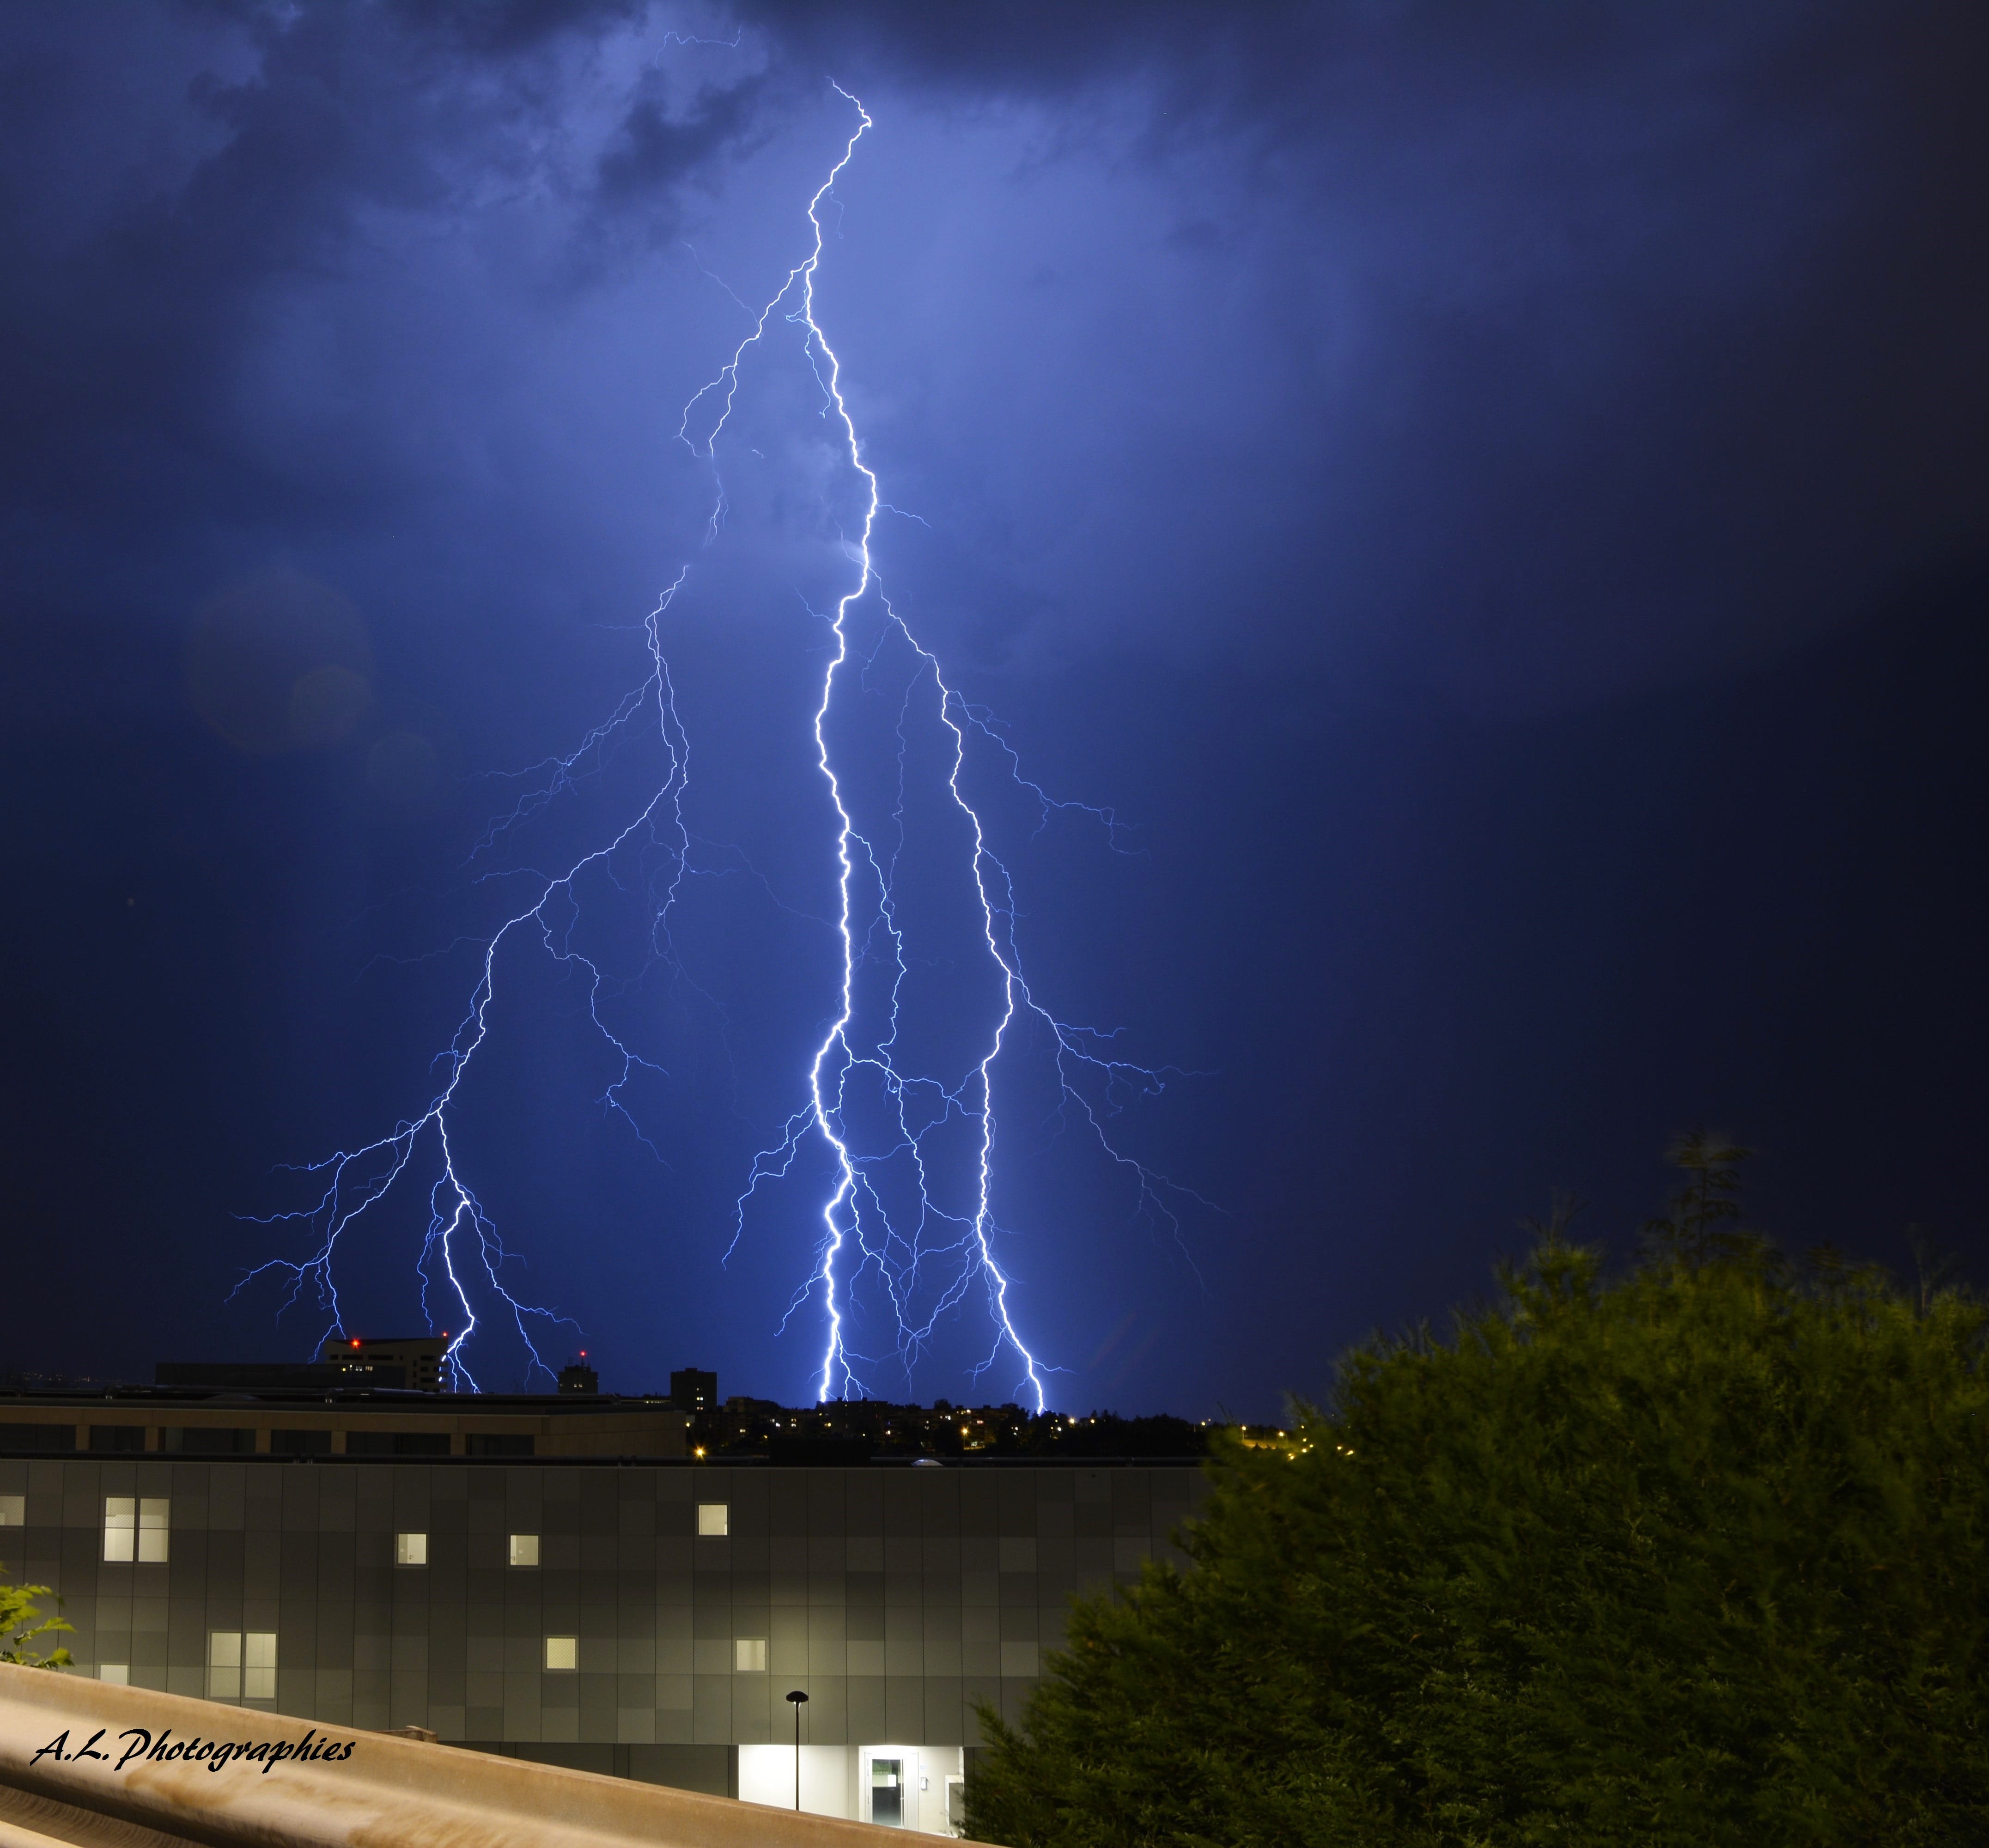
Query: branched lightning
x=887, y=1224
x=859, y=1232
x=356, y=1180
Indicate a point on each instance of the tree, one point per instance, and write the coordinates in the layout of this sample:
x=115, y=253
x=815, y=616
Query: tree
x=1694, y=1556
x=21, y=1623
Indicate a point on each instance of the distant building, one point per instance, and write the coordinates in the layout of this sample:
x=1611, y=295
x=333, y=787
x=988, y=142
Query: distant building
x=576, y=1377
x=255, y=1376
x=231, y=1418
x=692, y=1389
x=419, y=1357
x=409, y=1363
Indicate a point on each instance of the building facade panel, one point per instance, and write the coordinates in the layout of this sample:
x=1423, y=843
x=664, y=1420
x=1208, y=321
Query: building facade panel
x=658, y=1613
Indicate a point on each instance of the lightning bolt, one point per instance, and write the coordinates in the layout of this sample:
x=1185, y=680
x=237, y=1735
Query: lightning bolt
x=355, y=1180
x=887, y=1225
x=860, y=1234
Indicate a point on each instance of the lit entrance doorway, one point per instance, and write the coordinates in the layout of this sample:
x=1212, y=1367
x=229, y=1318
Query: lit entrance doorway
x=914, y=1787
x=887, y=1793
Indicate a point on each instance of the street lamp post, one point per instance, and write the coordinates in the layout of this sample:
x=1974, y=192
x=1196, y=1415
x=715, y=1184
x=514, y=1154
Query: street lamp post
x=797, y=1700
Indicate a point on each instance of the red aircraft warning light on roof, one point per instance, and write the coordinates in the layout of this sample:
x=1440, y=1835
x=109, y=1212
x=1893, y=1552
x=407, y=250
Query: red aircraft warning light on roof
x=409, y=1360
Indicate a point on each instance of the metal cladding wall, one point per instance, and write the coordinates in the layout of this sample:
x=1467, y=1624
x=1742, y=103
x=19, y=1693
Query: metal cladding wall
x=896, y=1597
x=157, y=1785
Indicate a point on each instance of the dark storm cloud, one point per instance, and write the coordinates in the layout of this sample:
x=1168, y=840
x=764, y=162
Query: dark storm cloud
x=503, y=28
x=239, y=314
x=1036, y=45
x=129, y=307
x=142, y=250
x=1606, y=342
x=654, y=151
x=1288, y=63
x=1438, y=265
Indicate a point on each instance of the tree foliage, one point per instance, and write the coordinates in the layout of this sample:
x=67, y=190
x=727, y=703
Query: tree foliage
x=21, y=1623
x=1694, y=1556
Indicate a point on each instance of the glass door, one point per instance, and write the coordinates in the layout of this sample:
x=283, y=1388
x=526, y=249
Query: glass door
x=887, y=1792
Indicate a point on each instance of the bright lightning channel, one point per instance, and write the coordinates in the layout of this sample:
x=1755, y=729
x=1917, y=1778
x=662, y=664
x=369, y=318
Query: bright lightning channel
x=855, y=1213
x=858, y=1232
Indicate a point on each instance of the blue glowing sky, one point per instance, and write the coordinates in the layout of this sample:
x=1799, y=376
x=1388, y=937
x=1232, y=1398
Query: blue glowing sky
x=1494, y=511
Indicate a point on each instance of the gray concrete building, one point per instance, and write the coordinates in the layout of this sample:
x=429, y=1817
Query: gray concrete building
x=330, y=1420
x=644, y=1617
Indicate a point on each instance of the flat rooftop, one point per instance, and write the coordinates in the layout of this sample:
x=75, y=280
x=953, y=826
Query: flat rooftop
x=385, y=1399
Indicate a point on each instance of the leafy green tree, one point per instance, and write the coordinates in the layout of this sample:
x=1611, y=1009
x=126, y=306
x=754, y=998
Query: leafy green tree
x=21, y=1623
x=1693, y=1556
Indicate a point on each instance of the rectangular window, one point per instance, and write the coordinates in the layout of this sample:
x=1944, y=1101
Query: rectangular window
x=713, y=1518
x=562, y=1654
x=117, y=1674
x=498, y=1443
x=13, y=1511
x=241, y=1668
x=121, y=1529
x=117, y=1437
x=411, y=1549
x=396, y=1443
x=210, y=1440
x=224, y=1665
x=139, y=1529
x=300, y=1443
x=524, y=1549
x=258, y=1665
x=154, y=1529
x=23, y=1436
x=749, y=1656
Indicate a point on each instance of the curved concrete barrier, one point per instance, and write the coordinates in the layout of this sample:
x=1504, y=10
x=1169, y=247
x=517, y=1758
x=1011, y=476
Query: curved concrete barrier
x=154, y=1766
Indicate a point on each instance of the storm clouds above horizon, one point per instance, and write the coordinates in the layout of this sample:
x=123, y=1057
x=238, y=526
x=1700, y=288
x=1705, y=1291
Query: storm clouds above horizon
x=1496, y=499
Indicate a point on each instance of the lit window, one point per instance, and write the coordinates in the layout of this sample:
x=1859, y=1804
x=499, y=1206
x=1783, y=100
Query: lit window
x=524, y=1549
x=713, y=1518
x=13, y=1511
x=154, y=1529
x=136, y=1528
x=241, y=1668
x=258, y=1665
x=562, y=1654
x=117, y=1674
x=411, y=1549
x=749, y=1655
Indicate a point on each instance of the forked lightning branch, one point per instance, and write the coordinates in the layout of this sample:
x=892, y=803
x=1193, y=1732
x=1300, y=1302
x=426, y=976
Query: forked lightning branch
x=886, y=1225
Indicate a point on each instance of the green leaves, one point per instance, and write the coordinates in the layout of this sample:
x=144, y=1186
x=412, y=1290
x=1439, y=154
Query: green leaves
x=1693, y=1557
x=21, y=1623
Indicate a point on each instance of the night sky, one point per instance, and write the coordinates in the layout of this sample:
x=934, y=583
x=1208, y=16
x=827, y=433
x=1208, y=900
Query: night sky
x=1493, y=504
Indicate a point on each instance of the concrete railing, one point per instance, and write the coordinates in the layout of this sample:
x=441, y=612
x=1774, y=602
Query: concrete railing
x=83, y=1761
